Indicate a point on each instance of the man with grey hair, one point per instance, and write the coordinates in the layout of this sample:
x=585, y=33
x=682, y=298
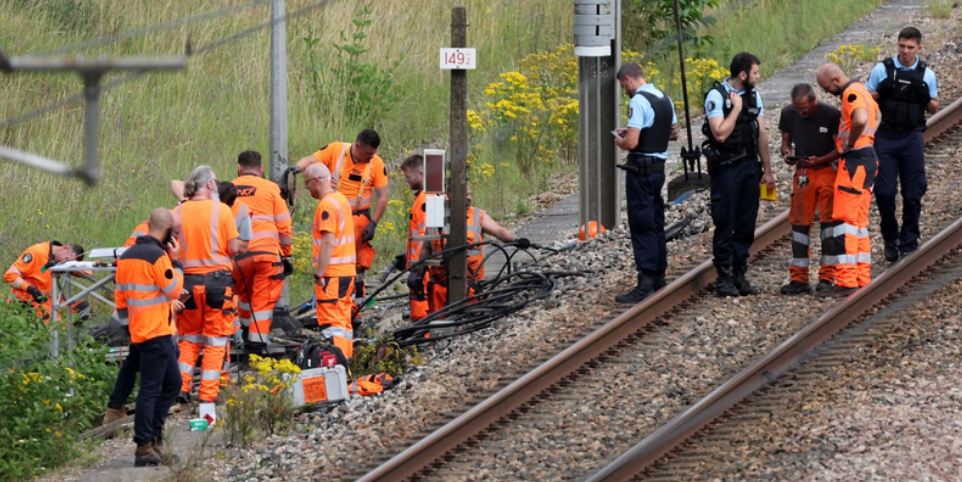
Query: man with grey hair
x=209, y=239
x=651, y=124
x=811, y=126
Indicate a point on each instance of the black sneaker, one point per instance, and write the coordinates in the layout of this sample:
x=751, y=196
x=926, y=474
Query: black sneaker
x=796, y=288
x=891, y=252
x=645, y=287
x=724, y=285
x=837, y=292
x=823, y=284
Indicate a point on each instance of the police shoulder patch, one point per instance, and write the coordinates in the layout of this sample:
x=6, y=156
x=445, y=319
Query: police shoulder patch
x=27, y=257
x=325, y=215
x=169, y=274
x=852, y=97
x=711, y=105
x=424, y=207
x=631, y=112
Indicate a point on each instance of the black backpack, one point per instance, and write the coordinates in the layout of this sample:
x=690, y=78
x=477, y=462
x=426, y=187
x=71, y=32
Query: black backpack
x=319, y=355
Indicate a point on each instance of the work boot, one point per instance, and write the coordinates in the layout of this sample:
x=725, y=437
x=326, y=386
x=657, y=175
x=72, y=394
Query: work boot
x=823, y=284
x=837, y=291
x=183, y=398
x=660, y=281
x=646, y=285
x=724, y=285
x=796, y=288
x=114, y=414
x=891, y=252
x=738, y=278
x=147, y=455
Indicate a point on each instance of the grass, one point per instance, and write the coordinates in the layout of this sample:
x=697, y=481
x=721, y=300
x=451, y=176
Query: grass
x=941, y=8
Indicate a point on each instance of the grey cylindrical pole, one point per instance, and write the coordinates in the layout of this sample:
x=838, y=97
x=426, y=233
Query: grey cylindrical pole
x=457, y=263
x=279, y=137
x=91, y=127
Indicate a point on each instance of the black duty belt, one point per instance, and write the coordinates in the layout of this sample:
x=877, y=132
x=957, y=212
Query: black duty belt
x=643, y=165
x=363, y=212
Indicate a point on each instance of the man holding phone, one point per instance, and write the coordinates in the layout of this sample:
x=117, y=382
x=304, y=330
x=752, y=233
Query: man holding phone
x=651, y=124
x=812, y=127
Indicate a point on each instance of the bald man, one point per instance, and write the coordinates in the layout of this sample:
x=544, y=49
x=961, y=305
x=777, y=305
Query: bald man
x=853, y=184
x=334, y=258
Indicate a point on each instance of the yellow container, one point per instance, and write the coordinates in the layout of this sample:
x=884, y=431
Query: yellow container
x=767, y=195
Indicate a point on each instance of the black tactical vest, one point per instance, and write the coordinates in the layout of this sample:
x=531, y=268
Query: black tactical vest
x=903, y=105
x=654, y=139
x=744, y=137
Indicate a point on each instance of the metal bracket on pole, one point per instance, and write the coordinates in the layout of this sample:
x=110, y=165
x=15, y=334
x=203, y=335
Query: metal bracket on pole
x=91, y=70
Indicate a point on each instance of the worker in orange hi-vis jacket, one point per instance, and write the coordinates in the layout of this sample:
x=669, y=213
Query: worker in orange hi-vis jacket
x=413, y=169
x=149, y=281
x=259, y=274
x=32, y=282
x=334, y=259
x=209, y=240
x=357, y=170
x=855, y=179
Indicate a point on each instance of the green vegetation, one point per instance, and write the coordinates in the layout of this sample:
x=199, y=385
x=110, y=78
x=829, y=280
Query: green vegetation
x=45, y=402
x=941, y=8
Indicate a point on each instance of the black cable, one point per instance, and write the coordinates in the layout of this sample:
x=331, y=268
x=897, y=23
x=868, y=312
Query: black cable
x=153, y=28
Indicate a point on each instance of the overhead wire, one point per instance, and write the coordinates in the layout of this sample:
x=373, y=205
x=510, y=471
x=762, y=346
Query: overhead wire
x=136, y=74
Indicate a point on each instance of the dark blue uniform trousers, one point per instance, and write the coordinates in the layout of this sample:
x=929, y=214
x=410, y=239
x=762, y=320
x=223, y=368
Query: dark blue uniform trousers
x=646, y=220
x=126, y=379
x=734, y=210
x=901, y=157
x=159, y=384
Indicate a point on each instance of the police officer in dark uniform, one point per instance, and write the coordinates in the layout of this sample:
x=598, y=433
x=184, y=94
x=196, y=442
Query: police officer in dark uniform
x=905, y=89
x=734, y=144
x=651, y=124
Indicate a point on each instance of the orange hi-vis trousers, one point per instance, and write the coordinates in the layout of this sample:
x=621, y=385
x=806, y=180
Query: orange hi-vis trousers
x=853, y=198
x=420, y=307
x=258, y=282
x=207, y=322
x=334, y=303
x=818, y=193
x=363, y=249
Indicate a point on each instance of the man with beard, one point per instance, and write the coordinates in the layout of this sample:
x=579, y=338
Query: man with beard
x=735, y=144
x=854, y=181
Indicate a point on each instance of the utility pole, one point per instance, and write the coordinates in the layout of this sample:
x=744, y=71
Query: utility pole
x=598, y=47
x=458, y=260
x=278, y=145
x=91, y=70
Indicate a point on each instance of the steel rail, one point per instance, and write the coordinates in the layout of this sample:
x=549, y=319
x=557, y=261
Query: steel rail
x=489, y=411
x=796, y=349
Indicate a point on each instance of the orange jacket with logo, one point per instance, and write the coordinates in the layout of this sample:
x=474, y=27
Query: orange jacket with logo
x=475, y=254
x=333, y=215
x=208, y=226
x=139, y=231
x=416, y=227
x=270, y=219
x=30, y=269
x=147, y=281
x=855, y=96
x=349, y=177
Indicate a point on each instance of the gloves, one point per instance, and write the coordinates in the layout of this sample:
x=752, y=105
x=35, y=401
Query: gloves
x=400, y=261
x=523, y=243
x=288, y=265
x=37, y=295
x=885, y=86
x=416, y=281
x=368, y=233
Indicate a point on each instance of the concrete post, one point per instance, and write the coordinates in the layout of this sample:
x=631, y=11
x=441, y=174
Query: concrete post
x=278, y=143
x=458, y=261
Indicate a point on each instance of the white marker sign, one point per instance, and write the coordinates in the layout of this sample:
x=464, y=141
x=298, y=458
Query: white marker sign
x=459, y=59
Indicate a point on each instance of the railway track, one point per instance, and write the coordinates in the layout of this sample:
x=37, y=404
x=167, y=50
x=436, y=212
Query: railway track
x=623, y=381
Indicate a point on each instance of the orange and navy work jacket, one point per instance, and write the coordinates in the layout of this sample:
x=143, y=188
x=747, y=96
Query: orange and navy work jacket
x=353, y=180
x=416, y=227
x=333, y=215
x=30, y=269
x=147, y=281
x=139, y=231
x=855, y=96
x=270, y=219
x=208, y=227
x=475, y=254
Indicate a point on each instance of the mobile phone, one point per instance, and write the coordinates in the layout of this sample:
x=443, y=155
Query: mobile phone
x=615, y=133
x=168, y=238
x=794, y=159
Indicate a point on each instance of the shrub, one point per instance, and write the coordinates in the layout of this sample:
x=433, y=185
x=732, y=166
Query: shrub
x=261, y=405
x=850, y=56
x=383, y=356
x=45, y=402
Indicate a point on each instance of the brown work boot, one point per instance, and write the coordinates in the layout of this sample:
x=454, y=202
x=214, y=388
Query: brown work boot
x=114, y=414
x=147, y=455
